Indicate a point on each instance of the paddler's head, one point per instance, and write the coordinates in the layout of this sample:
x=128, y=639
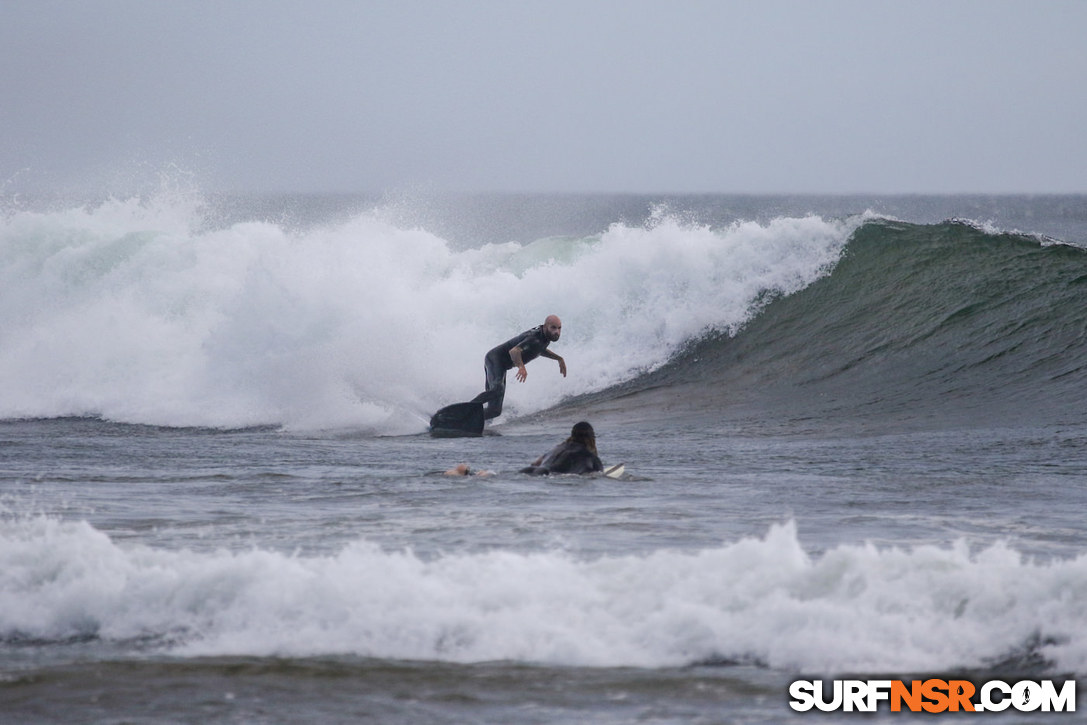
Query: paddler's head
x=584, y=434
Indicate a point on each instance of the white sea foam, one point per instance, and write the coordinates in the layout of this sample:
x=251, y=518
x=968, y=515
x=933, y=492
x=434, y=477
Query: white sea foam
x=854, y=608
x=134, y=312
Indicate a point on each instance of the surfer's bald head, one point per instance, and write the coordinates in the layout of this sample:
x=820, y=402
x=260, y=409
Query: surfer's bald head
x=552, y=327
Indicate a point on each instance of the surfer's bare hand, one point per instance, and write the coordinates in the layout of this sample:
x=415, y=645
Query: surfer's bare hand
x=522, y=374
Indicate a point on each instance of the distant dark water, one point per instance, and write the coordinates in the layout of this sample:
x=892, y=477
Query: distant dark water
x=494, y=218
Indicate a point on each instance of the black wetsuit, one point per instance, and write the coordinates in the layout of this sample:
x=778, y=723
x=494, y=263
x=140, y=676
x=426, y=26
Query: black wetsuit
x=498, y=362
x=567, y=457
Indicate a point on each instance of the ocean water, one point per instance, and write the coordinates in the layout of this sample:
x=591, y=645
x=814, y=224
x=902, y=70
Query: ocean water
x=854, y=429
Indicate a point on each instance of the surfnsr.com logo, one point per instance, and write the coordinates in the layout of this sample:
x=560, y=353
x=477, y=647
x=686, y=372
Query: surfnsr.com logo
x=933, y=695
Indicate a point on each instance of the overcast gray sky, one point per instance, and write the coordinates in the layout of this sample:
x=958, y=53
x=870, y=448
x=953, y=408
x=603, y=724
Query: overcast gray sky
x=548, y=95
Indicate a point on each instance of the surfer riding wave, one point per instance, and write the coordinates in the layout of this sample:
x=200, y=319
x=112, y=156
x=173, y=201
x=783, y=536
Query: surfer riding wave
x=517, y=352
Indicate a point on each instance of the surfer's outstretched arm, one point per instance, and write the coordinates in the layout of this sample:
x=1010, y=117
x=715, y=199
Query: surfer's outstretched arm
x=556, y=356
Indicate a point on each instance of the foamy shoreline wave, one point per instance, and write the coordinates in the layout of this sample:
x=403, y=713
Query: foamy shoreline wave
x=761, y=600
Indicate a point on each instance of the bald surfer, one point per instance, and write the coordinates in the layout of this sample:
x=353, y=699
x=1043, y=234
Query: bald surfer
x=516, y=353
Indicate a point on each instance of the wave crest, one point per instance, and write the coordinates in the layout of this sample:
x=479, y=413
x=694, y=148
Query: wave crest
x=142, y=313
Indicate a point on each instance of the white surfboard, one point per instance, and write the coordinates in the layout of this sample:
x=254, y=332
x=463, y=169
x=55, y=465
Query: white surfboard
x=615, y=471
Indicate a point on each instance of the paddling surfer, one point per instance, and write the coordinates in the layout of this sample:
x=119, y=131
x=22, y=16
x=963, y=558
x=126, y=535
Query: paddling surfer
x=576, y=454
x=516, y=353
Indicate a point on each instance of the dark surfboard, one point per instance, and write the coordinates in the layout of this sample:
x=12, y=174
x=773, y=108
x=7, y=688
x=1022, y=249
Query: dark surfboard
x=457, y=421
